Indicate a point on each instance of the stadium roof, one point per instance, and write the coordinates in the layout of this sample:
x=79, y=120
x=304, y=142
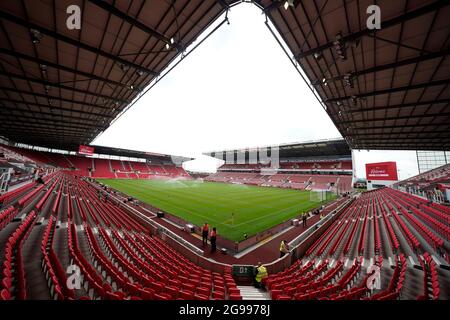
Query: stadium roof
x=61, y=88
x=383, y=89
x=138, y=154
x=313, y=149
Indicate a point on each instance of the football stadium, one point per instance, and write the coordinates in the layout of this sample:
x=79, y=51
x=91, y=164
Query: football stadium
x=290, y=221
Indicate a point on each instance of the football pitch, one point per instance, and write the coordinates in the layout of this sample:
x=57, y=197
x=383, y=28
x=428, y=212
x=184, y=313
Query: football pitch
x=234, y=209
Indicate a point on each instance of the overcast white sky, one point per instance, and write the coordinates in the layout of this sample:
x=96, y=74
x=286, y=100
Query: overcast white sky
x=238, y=89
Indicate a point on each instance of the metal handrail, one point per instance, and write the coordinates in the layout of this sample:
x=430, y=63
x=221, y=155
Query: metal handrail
x=161, y=229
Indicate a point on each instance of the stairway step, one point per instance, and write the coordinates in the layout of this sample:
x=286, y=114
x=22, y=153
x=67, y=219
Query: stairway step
x=252, y=293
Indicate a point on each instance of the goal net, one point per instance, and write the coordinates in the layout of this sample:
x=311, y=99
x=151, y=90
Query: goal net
x=318, y=195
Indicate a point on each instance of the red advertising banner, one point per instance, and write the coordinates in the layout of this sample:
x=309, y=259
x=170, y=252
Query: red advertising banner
x=382, y=171
x=89, y=151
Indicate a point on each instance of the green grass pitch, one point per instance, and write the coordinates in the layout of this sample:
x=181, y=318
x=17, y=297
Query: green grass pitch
x=234, y=209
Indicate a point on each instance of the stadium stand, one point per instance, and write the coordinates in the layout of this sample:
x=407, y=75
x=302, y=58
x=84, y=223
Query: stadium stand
x=433, y=185
x=297, y=169
x=379, y=227
x=100, y=167
x=398, y=101
x=103, y=239
x=389, y=228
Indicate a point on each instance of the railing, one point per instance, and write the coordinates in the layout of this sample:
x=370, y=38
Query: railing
x=180, y=244
x=300, y=244
x=296, y=242
x=3, y=182
x=160, y=229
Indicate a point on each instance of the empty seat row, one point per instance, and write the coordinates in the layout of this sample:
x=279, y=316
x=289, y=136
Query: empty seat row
x=117, y=257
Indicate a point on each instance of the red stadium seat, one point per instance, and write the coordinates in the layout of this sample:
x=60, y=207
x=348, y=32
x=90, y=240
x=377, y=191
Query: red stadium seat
x=275, y=294
x=235, y=296
x=203, y=291
x=187, y=295
x=219, y=295
x=147, y=295
x=5, y=295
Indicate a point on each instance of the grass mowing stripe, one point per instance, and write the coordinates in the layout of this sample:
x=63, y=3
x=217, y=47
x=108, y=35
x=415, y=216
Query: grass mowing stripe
x=255, y=208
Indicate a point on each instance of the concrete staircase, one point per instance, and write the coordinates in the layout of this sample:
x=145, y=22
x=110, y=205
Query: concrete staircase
x=252, y=293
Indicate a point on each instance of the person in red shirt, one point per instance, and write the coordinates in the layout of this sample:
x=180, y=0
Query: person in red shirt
x=205, y=231
x=212, y=239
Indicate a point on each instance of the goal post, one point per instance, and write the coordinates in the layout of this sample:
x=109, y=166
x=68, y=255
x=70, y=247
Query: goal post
x=318, y=195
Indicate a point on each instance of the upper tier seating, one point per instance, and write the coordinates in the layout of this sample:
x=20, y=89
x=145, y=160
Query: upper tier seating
x=438, y=174
x=11, y=155
x=99, y=167
x=292, y=180
x=316, y=166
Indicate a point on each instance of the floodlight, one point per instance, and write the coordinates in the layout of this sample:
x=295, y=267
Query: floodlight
x=288, y=3
x=36, y=36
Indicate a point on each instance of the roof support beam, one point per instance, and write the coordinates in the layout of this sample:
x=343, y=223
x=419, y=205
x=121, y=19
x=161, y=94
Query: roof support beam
x=57, y=85
x=431, y=125
x=418, y=116
x=404, y=105
x=390, y=145
x=401, y=138
x=41, y=123
x=42, y=138
x=89, y=76
x=51, y=108
x=397, y=43
x=61, y=118
x=408, y=147
x=384, y=25
x=55, y=98
x=397, y=133
x=223, y=4
x=40, y=133
x=405, y=62
x=76, y=43
x=392, y=90
x=122, y=15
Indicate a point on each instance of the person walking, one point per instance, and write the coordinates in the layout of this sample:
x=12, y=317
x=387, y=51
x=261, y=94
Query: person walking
x=283, y=248
x=261, y=275
x=212, y=239
x=205, y=231
x=304, y=217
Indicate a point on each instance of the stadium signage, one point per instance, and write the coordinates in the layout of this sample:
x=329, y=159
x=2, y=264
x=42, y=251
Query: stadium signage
x=382, y=171
x=89, y=151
